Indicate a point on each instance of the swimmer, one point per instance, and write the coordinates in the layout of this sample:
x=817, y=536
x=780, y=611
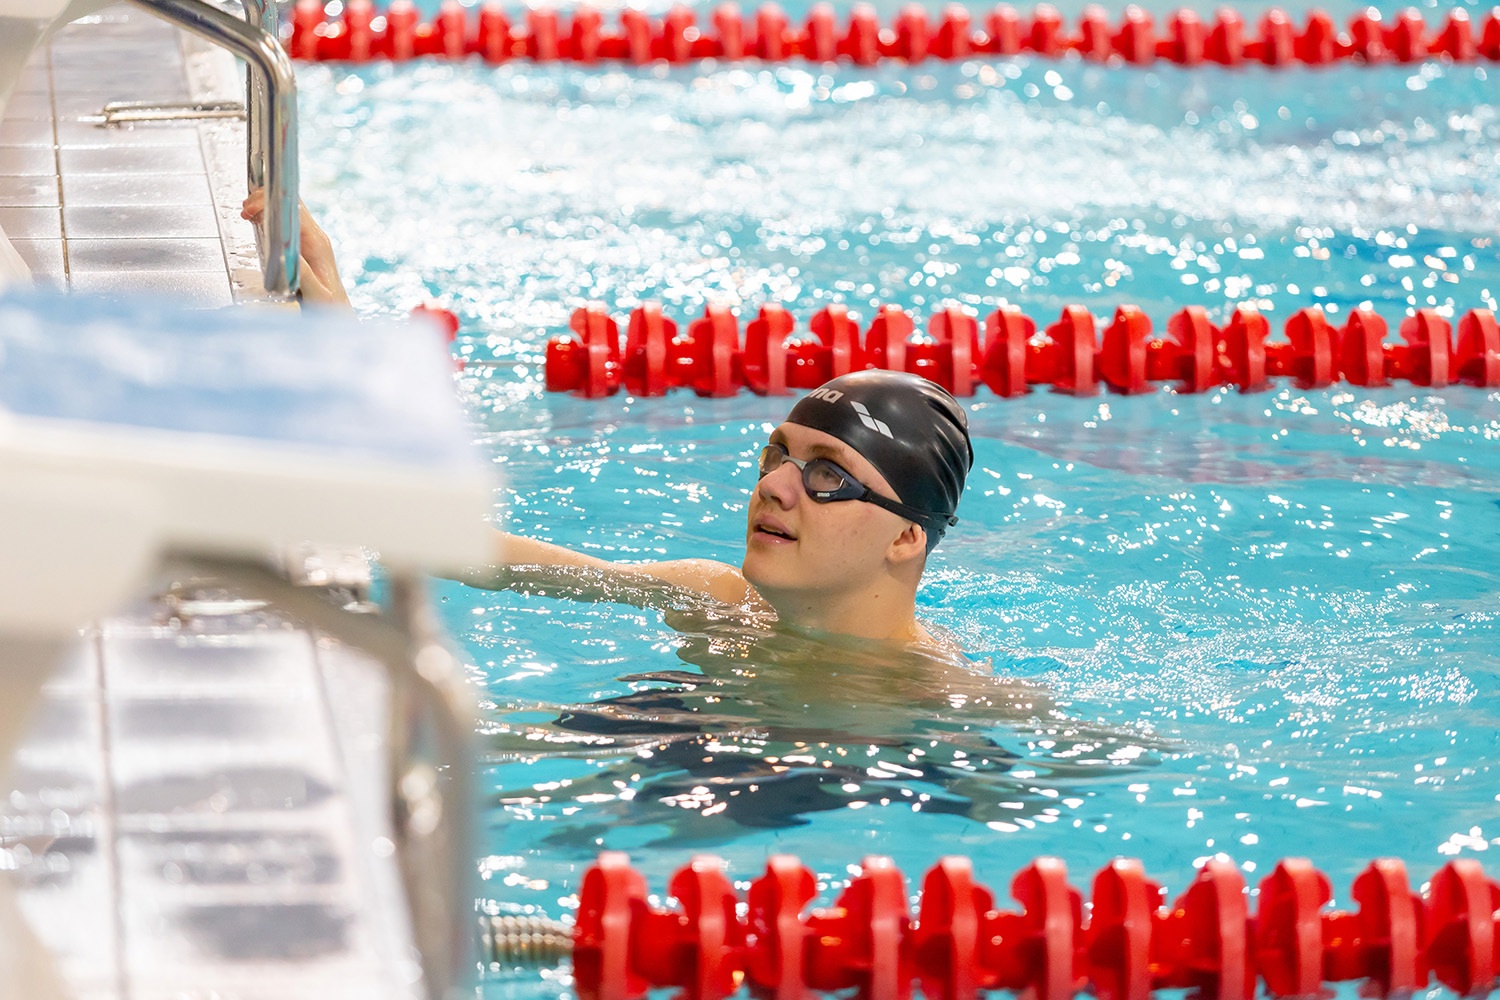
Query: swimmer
x=321, y=284
x=856, y=488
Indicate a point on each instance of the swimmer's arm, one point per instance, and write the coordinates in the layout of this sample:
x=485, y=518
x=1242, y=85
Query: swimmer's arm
x=520, y=561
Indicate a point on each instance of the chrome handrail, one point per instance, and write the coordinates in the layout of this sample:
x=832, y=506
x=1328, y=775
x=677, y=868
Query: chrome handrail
x=264, y=16
x=271, y=90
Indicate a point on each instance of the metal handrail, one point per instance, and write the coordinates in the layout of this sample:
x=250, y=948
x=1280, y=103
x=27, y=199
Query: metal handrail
x=271, y=91
x=265, y=17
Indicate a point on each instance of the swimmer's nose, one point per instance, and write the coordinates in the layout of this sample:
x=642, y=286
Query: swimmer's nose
x=781, y=487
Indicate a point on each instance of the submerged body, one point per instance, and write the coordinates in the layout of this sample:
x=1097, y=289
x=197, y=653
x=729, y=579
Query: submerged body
x=773, y=725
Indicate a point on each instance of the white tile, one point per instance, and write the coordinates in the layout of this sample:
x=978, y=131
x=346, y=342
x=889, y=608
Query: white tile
x=78, y=671
x=130, y=159
x=283, y=981
x=77, y=133
x=34, y=79
x=357, y=693
x=133, y=83
x=57, y=813
x=29, y=191
x=30, y=223
x=49, y=282
x=135, y=189
x=209, y=744
x=23, y=132
x=89, y=56
x=169, y=256
x=28, y=160
x=140, y=660
x=218, y=785
x=44, y=257
x=186, y=722
x=244, y=860
x=35, y=107
x=85, y=104
x=141, y=221
x=232, y=937
x=200, y=290
x=50, y=785
x=74, y=916
x=65, y=721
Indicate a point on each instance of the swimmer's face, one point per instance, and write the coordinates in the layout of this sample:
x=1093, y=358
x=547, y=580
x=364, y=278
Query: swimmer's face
x=797, y=546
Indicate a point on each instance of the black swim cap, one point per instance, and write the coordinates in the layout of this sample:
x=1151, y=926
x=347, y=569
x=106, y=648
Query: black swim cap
x=910, y=429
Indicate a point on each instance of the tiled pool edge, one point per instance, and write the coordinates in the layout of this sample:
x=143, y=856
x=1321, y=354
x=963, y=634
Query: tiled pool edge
x=148, y=208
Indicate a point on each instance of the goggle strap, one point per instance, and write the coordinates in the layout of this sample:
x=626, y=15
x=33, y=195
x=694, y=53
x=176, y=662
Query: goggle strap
x=927, y=519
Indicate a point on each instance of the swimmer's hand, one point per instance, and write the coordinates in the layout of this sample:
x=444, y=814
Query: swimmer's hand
x=320, y=273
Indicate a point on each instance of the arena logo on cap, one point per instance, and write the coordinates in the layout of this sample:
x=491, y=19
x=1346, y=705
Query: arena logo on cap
x=871, y=422
x=828, y=395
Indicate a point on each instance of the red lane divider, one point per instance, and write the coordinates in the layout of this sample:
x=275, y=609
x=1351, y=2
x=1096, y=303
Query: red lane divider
x=1004, y=352
x=1127, y=946
x=361, y=33
x=445, y=321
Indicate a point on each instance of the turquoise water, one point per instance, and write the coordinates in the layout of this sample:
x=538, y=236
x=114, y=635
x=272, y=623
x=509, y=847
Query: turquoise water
x=1259, y=625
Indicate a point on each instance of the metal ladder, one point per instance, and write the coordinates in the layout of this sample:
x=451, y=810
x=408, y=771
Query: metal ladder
x=271, y=117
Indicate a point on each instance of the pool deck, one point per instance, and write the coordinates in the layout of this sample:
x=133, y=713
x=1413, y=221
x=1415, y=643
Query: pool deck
x=201, y=810
x=150, y=207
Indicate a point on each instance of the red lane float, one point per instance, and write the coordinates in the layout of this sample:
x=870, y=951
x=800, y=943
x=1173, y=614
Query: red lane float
x=358, y=33
x=1003, y=351
x=445, y=320
x=1130, y=943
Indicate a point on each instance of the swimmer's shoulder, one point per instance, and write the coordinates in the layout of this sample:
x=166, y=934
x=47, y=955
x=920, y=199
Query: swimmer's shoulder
x=718, y=580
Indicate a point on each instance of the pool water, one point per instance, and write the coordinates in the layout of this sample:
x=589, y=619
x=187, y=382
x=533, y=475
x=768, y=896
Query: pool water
x=1252, y=625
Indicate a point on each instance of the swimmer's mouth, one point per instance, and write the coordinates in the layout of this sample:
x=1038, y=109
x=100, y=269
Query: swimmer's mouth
x=774, y=530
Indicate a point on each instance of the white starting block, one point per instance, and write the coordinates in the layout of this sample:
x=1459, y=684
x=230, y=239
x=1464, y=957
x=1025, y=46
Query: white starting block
x=129, y=432
x=142, y=439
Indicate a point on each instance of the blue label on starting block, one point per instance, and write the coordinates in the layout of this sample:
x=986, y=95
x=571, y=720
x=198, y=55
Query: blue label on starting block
x=323, y=382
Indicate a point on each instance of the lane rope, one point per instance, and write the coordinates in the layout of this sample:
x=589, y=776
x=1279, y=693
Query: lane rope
x=1123, y=946
x=360, y=33
x=1008, y=352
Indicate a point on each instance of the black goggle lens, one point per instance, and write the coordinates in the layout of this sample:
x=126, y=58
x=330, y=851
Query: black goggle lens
x=824, y=481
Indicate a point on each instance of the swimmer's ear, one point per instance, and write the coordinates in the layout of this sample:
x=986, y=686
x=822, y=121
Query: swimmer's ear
x=910, y=544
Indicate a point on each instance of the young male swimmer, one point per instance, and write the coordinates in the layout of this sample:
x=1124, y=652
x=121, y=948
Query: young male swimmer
x=856, y=487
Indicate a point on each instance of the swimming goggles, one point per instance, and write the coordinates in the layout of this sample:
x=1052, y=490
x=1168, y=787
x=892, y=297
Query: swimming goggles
x=827, y=482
